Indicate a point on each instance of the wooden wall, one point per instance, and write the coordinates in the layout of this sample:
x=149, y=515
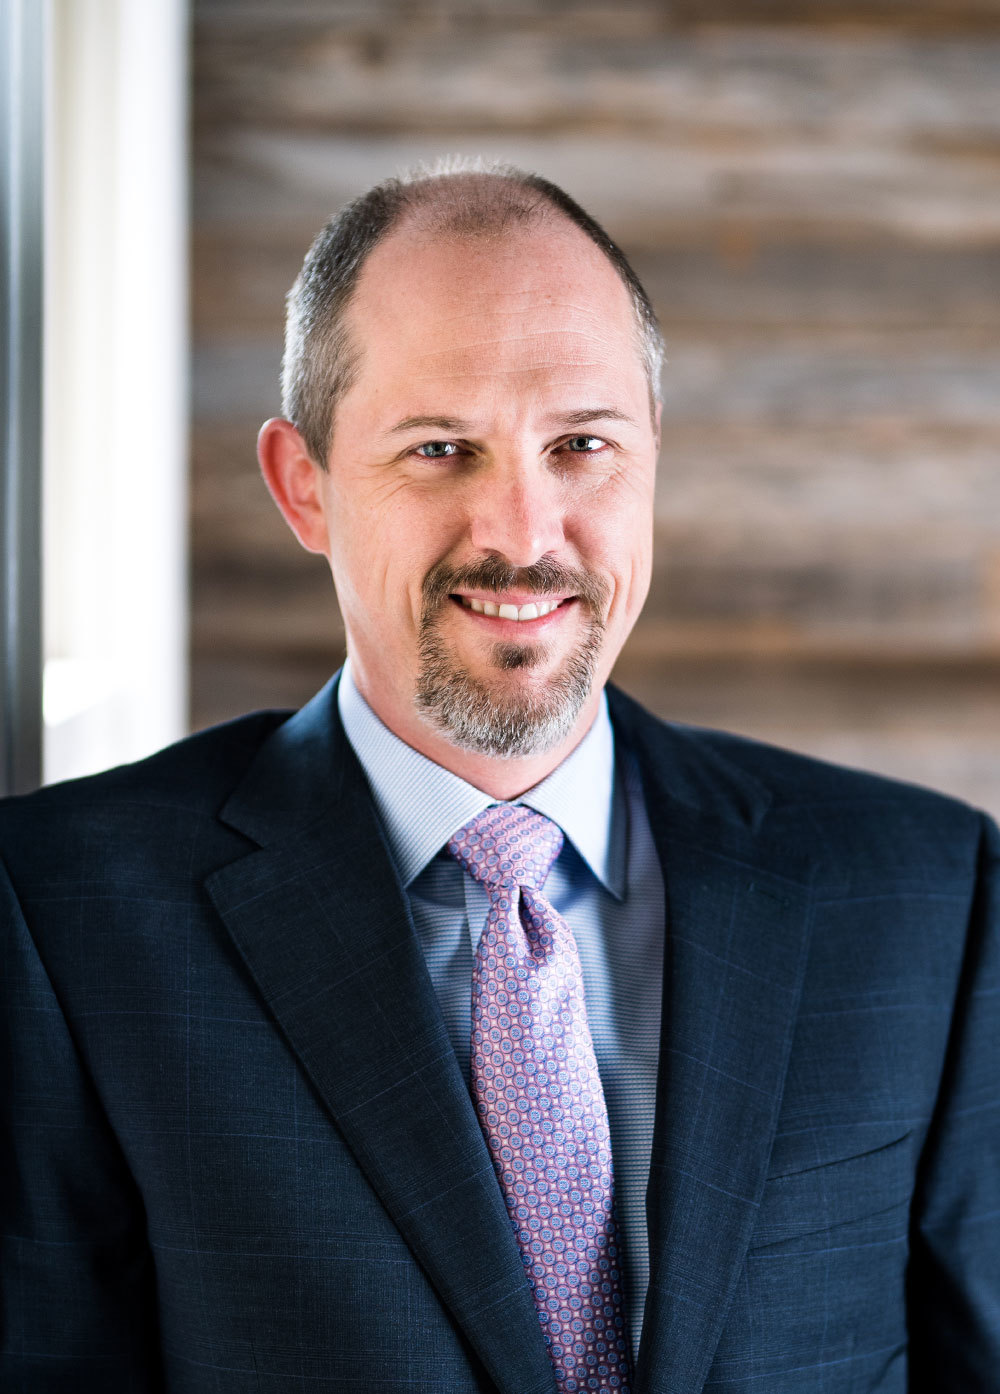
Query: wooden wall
x=811, y=192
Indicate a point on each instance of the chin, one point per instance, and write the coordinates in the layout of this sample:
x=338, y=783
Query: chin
x=526, y=703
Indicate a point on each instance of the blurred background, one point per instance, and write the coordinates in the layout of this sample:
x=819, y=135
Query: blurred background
x=810, y=191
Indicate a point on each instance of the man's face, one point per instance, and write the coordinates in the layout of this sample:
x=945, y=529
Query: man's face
x=488, y=494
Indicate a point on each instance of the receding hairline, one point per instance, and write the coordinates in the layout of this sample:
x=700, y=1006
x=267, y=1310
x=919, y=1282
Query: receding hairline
x=418, y=233
x=445, y=216
x=473, y=203
x=440, y=211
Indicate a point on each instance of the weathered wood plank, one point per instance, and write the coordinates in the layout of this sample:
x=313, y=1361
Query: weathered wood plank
x=267, y=17
x=919, y=15
x=906, y=479
x=719, y=597
x=571, y=17
x=275, y=612
x=736, y=84
x=821, y=379
x=758, y=280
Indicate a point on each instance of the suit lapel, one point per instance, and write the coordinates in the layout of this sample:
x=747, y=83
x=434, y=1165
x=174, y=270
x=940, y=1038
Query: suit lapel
x=320, y=920
x=738, y=918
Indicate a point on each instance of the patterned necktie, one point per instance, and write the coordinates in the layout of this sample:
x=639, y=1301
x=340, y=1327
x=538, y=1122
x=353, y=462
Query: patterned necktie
x=539, y=1098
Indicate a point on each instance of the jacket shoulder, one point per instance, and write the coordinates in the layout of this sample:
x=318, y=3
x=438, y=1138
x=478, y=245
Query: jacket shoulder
x=176, y=788
x=797, y=779
x=797, y=795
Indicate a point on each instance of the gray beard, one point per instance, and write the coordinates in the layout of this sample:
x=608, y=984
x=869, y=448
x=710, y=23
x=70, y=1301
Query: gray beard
x=477, y=714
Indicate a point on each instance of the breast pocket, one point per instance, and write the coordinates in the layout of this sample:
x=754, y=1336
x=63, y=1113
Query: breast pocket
x=867, y=1191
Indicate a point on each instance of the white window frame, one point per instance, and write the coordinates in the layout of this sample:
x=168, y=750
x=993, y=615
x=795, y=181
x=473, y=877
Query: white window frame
x=115, y=380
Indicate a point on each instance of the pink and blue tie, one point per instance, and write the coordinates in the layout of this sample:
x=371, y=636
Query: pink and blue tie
x=539, y=1097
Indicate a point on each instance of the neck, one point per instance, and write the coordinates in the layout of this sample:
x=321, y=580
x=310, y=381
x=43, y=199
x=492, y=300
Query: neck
x=502, y=777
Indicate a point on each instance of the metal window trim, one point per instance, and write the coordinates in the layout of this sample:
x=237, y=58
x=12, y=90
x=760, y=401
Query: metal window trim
x=22, y=108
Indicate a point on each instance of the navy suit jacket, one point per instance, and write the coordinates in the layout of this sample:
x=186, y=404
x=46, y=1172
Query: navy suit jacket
x=239, y=1153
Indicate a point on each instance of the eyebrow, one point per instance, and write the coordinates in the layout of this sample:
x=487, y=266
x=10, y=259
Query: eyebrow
x=452, y=425
x=589, y=414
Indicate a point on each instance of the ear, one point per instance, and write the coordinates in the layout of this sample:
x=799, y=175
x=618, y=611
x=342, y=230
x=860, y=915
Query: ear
x=295, y=482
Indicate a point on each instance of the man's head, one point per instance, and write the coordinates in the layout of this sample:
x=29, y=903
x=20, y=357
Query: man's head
x=471, y=430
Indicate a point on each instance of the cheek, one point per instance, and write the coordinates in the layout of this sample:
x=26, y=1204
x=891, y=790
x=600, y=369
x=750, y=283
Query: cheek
x=618, y=540
x=381, y=552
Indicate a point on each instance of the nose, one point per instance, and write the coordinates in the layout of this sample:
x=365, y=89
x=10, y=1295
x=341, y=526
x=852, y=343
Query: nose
x=516, y=511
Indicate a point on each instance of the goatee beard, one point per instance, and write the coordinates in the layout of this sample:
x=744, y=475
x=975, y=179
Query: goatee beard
x=480, y=714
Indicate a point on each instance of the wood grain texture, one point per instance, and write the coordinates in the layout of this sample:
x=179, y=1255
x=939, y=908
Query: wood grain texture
x=741, y=86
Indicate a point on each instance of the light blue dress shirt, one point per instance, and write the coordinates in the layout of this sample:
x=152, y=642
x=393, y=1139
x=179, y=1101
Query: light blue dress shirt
x=606, y=883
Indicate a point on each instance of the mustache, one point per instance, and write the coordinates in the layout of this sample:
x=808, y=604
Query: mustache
x=543, y=577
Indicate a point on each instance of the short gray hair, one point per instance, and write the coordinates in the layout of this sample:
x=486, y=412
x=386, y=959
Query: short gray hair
x=457, y=198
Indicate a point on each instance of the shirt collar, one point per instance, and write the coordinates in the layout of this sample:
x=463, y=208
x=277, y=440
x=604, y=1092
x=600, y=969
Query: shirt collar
x=421, y=804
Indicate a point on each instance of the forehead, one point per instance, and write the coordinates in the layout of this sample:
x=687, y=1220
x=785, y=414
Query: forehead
x=541, y=300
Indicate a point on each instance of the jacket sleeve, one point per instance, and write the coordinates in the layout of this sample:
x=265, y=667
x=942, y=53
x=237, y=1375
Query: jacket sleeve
x=76, y=1282
x=954, y=1276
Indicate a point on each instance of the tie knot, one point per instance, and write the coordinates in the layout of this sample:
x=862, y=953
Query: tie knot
x=508, y=842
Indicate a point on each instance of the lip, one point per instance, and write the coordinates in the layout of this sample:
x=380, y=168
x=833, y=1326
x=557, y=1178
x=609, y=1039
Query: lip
x=511, y=628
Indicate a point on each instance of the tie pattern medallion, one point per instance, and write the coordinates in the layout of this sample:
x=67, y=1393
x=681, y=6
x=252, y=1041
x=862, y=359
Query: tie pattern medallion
x=540, y=1101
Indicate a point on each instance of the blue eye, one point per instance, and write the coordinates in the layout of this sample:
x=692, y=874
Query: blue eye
x=437, y=449
x=584, y=444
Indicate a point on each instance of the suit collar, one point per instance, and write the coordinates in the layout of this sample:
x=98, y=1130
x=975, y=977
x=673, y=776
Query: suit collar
x=685, y=774
x=297, y=776
x=321, y=921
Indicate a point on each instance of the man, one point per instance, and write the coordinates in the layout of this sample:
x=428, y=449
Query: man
x=471, y=1030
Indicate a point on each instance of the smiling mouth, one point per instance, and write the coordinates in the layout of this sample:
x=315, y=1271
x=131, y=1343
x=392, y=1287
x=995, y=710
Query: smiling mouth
x=534, y=610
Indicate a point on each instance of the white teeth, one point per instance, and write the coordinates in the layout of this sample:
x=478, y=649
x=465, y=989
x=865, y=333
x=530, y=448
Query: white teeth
x=533, y=611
